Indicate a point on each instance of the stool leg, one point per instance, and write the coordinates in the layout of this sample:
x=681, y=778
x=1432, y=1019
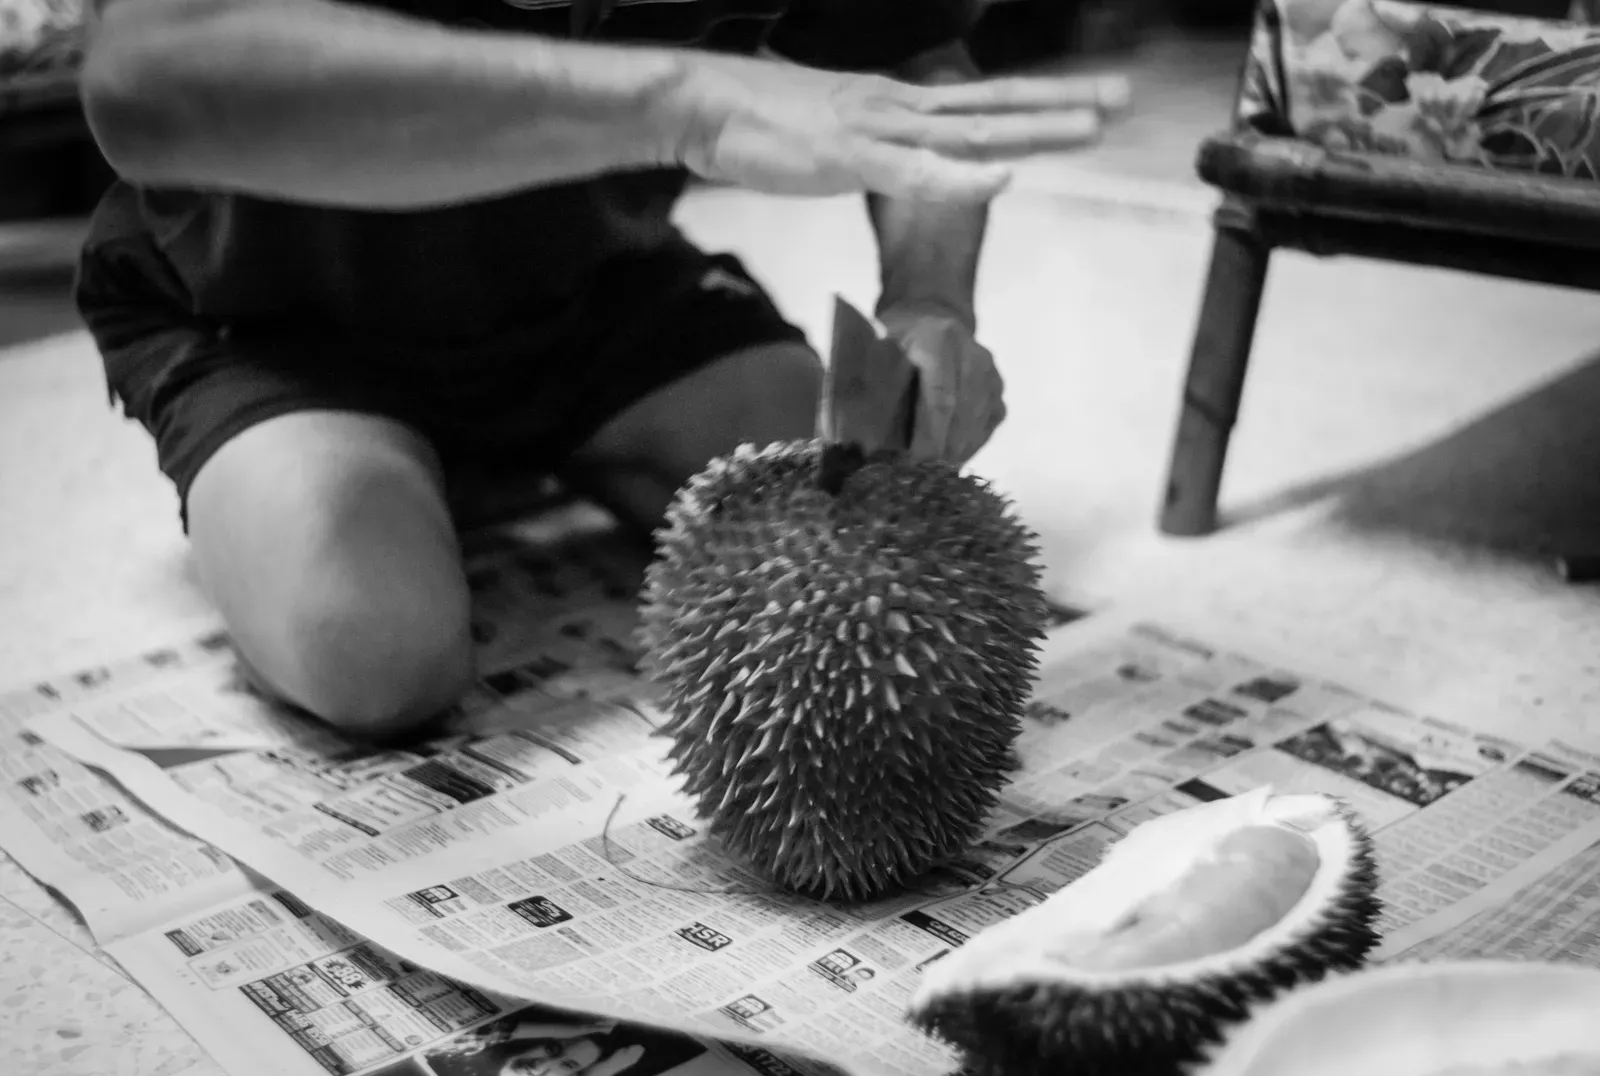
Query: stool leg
x=1215, y=381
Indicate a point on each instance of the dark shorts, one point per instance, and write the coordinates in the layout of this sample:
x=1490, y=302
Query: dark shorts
x=521, y=402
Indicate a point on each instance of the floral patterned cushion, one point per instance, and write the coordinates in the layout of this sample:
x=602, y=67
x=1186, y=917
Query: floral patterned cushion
x=41, y=47
x=1428, y=82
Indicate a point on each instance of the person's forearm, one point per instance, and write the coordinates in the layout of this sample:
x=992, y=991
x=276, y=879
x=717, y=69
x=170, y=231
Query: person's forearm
x=320, y=101
x=929, y=251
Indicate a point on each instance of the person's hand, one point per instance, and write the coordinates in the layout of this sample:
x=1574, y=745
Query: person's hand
x=785, y=129
x=960, y=391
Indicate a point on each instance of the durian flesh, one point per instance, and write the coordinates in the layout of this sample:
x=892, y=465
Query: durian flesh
x=1448, y=1018
x=1142, y=960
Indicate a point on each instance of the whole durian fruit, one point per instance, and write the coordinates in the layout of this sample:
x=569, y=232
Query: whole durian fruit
x=846, y=640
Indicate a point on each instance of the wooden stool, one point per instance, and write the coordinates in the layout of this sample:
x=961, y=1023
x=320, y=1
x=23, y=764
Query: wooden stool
x=1509, y=186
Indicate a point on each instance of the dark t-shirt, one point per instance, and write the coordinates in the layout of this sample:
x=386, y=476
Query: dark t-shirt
x=474, y=269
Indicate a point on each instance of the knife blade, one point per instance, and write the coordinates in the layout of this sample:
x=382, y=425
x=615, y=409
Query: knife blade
x=870, y=386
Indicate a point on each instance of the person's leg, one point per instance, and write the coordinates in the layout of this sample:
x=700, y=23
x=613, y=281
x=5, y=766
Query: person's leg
x=638, y=460
x=686, y=358
x=323, y=531
x=318, y=527
x=324, y=540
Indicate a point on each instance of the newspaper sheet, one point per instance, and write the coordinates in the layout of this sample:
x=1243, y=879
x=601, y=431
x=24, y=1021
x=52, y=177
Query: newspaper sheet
x=1557, y=916
x=121, y=866
x=191, y=924
x=537, y=860
x=1557, y=919
x=541, y=858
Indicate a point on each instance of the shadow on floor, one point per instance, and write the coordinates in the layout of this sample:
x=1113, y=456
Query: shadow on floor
x=37, y=304
x=1523, y=479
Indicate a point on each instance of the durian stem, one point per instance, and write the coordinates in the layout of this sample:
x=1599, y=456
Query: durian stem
x=836, y=463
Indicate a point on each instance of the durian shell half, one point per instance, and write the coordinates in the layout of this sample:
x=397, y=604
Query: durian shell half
x=1012, y=1004
x=1445, y=1018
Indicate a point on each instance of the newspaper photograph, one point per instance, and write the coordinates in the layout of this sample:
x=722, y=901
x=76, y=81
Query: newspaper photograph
x=438, y=908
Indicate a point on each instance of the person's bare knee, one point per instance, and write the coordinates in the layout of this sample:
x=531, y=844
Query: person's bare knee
x=324, y=539
x=374, y=663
